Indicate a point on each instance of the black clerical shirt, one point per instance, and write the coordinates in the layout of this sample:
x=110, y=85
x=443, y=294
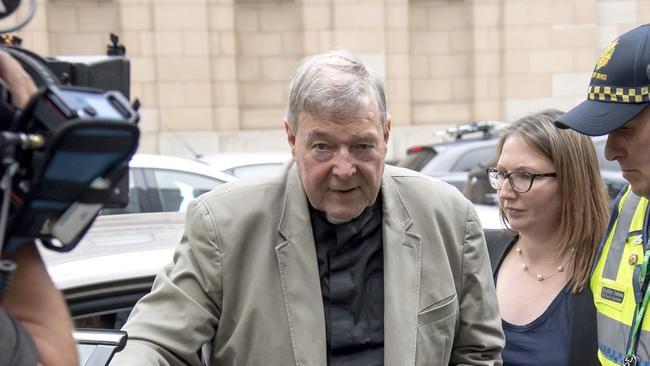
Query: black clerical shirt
x=351, y=268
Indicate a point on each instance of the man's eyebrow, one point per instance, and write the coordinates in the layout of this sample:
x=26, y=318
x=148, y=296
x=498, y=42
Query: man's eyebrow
x=317, y=135
x=321, y=135
x=369, y=136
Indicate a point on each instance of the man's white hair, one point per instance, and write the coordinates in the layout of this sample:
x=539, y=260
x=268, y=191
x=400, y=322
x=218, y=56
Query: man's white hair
x=334, y=82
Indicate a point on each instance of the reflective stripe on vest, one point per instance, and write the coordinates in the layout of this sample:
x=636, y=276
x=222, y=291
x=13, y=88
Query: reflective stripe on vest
x=618, y=333
x=613, y=287
x=616, y=249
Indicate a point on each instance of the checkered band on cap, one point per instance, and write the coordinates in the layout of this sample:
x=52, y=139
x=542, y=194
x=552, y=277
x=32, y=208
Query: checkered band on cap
x=601, y=93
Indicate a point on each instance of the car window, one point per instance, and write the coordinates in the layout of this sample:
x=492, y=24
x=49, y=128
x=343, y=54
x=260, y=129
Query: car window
x=472, y=158
x=134, y=200
x=106, y=305
x=177, y=189
x=111, y=319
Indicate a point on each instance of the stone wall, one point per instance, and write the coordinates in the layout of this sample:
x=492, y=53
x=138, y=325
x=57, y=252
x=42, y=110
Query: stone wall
x=214, y=74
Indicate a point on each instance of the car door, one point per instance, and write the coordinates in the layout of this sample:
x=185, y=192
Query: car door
x=96, y=347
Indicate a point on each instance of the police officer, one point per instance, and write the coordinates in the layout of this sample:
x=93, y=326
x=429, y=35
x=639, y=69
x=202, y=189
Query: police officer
x=617, y=98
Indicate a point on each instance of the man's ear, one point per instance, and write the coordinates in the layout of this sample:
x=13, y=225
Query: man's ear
x=387, y=127
x=291, y=137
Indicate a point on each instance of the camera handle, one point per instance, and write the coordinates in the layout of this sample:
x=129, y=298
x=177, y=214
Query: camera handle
x=10, y=165
x=8, y=143
x=7, y=269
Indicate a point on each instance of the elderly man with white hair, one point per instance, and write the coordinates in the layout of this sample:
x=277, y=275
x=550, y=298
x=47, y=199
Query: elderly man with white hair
x=337, y=260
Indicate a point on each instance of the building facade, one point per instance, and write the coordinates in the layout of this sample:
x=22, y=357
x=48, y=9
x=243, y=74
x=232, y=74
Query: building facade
x=213, y=75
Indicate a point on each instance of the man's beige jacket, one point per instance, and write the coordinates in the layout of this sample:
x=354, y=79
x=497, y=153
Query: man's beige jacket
x=244, y=287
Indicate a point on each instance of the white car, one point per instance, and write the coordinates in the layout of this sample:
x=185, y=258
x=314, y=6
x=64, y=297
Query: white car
x=115, y=263
x=247, y=164
x=117, y=248
x=160, y=183
x=112, y=267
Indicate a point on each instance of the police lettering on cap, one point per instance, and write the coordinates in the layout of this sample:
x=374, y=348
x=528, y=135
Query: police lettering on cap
x=619, y=87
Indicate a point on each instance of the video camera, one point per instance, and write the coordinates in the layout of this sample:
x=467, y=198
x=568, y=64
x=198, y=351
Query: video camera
x=65, y=155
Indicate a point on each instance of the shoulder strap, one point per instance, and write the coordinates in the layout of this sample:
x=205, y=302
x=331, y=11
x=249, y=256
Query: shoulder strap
x=498, y=242
x=583, y=346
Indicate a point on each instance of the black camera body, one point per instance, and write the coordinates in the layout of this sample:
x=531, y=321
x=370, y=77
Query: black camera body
x=105, y=72
x=111, y=72
x=77, y=135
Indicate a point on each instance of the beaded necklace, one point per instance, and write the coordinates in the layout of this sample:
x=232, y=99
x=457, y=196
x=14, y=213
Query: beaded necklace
x=541, y=277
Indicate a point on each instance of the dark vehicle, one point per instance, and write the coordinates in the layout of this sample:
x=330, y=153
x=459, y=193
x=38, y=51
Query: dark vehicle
x=472, y=144
x=452, y=161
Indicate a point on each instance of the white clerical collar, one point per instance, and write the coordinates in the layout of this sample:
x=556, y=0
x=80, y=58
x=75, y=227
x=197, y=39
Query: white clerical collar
x=336, y=220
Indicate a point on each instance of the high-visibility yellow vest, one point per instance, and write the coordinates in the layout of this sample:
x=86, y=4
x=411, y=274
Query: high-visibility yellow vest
x=614, y=282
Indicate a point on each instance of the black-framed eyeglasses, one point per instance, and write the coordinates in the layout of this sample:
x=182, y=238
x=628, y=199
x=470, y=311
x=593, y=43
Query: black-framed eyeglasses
x=520, y=182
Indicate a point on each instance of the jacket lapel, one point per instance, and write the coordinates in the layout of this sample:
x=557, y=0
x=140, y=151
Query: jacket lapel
x=301, y=283
x=298, y=267
x=402, y=262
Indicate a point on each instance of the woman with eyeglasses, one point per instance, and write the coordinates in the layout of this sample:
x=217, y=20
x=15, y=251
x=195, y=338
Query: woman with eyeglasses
x=553, y=202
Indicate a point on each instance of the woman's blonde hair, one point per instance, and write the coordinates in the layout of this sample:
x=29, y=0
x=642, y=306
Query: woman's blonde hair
x=584, y=213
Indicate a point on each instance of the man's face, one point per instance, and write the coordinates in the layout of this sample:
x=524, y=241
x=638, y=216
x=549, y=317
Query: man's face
x=340, y=161
x=630, y=146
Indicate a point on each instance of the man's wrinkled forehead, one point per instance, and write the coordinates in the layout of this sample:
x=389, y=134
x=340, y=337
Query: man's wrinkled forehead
x=342, y=116
x=336, y=102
